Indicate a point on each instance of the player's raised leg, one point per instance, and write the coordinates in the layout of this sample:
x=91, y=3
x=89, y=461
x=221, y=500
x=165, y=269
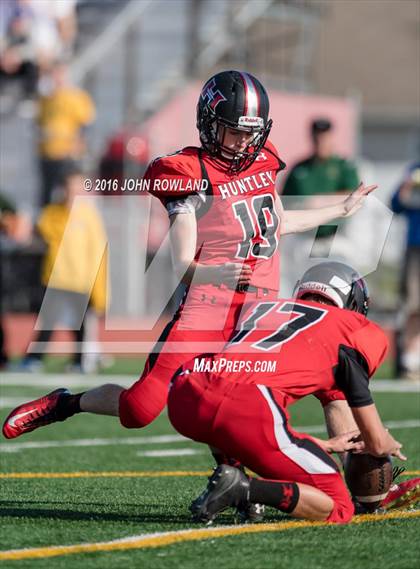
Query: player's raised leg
x=37, y=413
x=59, y=405
x=136, y=406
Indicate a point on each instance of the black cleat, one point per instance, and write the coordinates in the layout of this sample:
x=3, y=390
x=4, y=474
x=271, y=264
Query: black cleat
x=251, y=513
x=38, y=413
x=227, y=487
x=198, y=502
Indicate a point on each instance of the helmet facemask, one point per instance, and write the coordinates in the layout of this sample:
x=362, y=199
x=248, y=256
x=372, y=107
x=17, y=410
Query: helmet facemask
x=212, y=134
x=359, y=300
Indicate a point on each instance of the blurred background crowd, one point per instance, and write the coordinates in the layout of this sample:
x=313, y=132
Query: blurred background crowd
x=97, y=88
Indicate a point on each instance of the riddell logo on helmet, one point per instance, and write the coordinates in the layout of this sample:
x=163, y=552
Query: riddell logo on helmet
x=213, y=98
x=313, y=286
x=251, y=121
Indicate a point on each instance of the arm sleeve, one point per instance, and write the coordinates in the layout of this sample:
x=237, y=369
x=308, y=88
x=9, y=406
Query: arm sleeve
x=187, y=204
x=352, y=377
x=358, y=361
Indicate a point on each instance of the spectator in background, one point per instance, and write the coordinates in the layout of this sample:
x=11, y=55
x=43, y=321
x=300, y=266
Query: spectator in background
x=406, y=201
x=7, y=212
x=64, y=112
x=126, y=155
x=323, y=172
x=33, y=34
x=18, y=57
x=54, y=30
x=316, y=178
x=74, y=246
x=14, y=228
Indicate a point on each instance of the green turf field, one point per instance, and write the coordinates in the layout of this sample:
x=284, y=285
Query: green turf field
x=133, y=365
x=138, y=498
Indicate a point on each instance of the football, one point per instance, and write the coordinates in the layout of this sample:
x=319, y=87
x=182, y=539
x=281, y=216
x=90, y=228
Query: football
x=369, y=478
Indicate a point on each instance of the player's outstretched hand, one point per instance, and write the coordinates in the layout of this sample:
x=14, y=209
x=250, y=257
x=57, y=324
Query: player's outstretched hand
x=233, y=274
x=355, y=200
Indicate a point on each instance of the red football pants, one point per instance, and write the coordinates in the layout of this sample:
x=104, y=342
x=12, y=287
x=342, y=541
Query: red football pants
x=202, y=324
x=249, y=422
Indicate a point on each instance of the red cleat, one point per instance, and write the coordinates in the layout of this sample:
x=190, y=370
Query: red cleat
x=37, y=413
x=402, y=495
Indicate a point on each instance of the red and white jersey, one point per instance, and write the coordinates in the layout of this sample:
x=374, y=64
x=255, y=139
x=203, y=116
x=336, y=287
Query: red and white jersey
x=307, y=344
x=236, y=217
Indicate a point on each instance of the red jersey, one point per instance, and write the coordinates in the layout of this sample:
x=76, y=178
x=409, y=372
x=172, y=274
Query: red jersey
x=236, y=215
x=313, y=349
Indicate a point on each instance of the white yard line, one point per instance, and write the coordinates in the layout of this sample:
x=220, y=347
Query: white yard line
x=170, y=452
x=394, y=386
x=63, y=380
x=161, y=539
x=160, y=439
x=408, y=424
x=36, y=380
